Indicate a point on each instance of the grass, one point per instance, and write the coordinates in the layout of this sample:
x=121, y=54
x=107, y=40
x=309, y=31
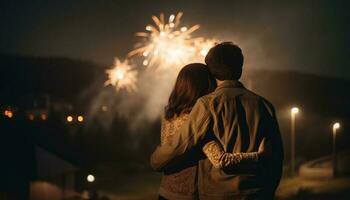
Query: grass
x=144, y=186
x=132, y=187
x=301, y=188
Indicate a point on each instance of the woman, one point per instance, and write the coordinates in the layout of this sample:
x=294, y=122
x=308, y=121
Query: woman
x=193, y=82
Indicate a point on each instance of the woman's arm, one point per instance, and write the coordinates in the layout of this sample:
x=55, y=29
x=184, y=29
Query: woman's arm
x=220, y=159
x=163, y=129
x=188, y=138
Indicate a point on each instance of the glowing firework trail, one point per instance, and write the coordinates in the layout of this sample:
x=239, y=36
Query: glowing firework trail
x=167, y=44
x=122, y=76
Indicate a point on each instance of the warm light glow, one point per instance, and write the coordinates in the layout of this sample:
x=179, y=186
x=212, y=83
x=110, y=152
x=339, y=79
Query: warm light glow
x=183, y=29
x=122, y=76
x=43, y=116
x=90, y=178
x=31, y=117
x=8, y=113
x=104, y=108
x=336, y=125
x=80, y=118
x=205, y=46
x=171, y=18
x=145, y=62
x=69, y=118
x=148, y=28
x=295, y=110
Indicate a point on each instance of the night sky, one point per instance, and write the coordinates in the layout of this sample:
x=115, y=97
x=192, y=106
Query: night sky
x=307, y=36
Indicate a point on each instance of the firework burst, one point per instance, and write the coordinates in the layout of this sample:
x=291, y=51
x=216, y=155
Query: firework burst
x=166, y=46
x=167, y=43
x=122, y=76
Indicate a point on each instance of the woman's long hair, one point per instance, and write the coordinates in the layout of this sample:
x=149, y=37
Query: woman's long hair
x=193, y=82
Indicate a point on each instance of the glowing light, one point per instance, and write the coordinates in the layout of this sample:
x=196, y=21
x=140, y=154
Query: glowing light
x=80, y=118
x=8, y=113
x=69, y=118
x=90, y=178
x=183, y=29
x=206, y=45
x=122, y=76
x=148, y=28
x=104, y=108
x=295, y=110
x=166, y=44
x=336, y=125
x=43, y=116
x=171, y=18
x=31, y=117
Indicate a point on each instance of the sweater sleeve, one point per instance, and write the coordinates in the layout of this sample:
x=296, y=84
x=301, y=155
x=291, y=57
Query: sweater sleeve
x=163, y=132
x=221, y=159
x=193, y=131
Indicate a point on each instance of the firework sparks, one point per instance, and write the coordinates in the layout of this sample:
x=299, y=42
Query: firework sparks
x=167, y=43
x=122, y=76
x=205, y=45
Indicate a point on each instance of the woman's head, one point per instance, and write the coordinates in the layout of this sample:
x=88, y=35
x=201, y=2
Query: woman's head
x=193, y=82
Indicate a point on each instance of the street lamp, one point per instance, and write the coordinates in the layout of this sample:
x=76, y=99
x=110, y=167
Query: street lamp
x=336, y=126
x=69, y=118
x=90, y=178
x=8, y=113
x=80, y=118
x=43, y=116
x=293, y=112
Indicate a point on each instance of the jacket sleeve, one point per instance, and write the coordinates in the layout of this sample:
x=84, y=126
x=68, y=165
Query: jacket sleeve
x=191, y=134
x=273, y=163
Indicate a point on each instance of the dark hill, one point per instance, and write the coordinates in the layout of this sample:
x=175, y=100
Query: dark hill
x=31, y=76
x=322, y=99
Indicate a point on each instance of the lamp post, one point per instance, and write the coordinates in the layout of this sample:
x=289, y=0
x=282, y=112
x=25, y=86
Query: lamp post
x=293, y=113
x=336, y=126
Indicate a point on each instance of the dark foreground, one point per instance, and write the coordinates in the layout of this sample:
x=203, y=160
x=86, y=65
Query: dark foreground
x=144, y=187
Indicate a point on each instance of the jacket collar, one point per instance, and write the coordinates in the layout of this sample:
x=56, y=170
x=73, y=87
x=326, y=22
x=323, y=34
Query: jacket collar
x=230, y=84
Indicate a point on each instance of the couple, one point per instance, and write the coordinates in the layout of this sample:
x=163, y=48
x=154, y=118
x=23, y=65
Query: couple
x=218, y=139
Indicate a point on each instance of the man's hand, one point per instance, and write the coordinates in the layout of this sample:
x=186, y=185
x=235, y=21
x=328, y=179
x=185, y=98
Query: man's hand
x=261, y=147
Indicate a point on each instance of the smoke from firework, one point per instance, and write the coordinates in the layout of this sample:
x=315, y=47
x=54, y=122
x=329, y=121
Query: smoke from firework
x=165, y=48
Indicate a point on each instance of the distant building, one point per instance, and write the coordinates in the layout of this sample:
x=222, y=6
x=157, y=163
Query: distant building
x=48, y=177
x=55, y=177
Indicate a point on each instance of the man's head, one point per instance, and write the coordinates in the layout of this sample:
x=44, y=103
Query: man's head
x=225, y=61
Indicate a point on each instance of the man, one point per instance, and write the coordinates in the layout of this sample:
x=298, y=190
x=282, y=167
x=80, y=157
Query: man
x=240, y=120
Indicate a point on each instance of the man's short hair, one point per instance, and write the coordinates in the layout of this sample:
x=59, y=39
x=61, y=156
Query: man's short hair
x=225, y=61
